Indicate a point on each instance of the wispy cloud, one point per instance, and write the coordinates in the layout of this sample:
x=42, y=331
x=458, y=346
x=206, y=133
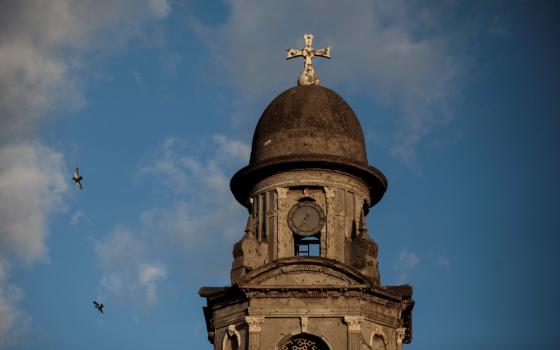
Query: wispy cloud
x=170, y=62
x=148, y=277
x=127, y=268
x=198, y=181
x=193, y=203
x=13, y=320
x=77, y=217
x=380, y=48
x=405, y=264
x=441, y=261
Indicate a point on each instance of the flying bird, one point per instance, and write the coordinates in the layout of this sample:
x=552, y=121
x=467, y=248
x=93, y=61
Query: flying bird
x=98, y=306
x=77, y=178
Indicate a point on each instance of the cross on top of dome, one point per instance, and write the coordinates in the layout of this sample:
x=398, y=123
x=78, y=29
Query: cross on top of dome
x=308, y=77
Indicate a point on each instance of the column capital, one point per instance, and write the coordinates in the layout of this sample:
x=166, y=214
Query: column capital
x=282, y=192
x=354, y=323
x=400, y=332
x=255, y=323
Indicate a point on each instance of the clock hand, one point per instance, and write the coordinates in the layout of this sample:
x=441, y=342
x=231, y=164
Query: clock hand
x=304, y=219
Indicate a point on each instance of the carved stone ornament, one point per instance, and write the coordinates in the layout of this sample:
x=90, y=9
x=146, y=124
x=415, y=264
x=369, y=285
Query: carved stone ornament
x=231, y=333
x=354, y=323
x=378, y=332
x=400, y=333
x=308, y=77
x=304, y=342
x=255, y=323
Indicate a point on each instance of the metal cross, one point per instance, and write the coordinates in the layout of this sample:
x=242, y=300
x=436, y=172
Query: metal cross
x=308, y=77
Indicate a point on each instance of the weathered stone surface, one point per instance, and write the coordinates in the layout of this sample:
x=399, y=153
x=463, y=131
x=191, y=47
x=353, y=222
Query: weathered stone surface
x=248, y=253
x=308, y=120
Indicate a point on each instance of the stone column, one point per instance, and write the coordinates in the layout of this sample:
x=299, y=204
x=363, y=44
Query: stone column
x=331, y=219
x=283, y=240
x=255, y=324
x=354, y=331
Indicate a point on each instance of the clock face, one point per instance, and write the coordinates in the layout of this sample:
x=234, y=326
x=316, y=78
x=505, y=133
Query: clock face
x=306, y=218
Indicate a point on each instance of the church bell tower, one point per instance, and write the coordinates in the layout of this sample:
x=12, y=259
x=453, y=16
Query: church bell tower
x=305, y=274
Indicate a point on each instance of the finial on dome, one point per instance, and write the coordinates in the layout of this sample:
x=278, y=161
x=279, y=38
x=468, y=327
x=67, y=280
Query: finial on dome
x=308, y=77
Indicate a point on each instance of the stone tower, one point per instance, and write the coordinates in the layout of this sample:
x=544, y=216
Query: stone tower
x=305, y=273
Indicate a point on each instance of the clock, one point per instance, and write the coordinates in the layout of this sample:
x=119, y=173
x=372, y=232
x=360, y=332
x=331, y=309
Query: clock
x=306, y=218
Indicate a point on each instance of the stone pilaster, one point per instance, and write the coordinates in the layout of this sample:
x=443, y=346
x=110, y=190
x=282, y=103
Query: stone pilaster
x=284, y=248
x=331, y=221
x=255, y=324
x=304, y=323
x=354, y=331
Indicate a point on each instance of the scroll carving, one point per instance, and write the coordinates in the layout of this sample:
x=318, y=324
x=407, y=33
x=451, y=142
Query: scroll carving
x=255, y=323
x=354, y=323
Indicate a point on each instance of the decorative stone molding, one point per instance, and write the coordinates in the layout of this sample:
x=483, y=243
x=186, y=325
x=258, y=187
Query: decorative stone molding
x=302, y=268
x=231, y=332
x=354, y=323
x=400, y=333
x=304, y=322
x=329, y=192
x=255, y=323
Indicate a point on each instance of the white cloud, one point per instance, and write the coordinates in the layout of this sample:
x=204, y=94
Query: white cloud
x=160, y=8
x=192, y=202
x=405, y=264
x=45, y=48
x=33, y=183
x=13, y=320
x=127, y=268
x=148, y=277
x=378, y=48
x=200, y=186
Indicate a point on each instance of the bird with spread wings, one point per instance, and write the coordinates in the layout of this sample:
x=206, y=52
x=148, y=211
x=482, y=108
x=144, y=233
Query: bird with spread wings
x=77, y=178
x=98, y=306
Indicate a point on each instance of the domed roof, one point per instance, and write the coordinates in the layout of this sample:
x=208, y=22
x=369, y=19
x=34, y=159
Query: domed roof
x=306, y=127
x=308, y=120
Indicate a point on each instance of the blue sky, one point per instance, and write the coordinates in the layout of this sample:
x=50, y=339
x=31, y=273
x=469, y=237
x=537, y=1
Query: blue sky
x=156, y=102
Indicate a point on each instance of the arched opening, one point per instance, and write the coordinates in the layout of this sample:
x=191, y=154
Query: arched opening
x=304, y=342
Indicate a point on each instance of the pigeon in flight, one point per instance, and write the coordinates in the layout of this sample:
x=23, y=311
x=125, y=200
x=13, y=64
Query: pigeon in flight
x=98, y=306
x=77, y=178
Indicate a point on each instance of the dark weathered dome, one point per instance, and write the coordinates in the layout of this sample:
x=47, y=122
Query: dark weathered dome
x=308, y=127
x=308, y=119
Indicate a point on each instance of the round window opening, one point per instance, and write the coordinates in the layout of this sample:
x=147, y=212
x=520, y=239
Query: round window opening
x=304, y=342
